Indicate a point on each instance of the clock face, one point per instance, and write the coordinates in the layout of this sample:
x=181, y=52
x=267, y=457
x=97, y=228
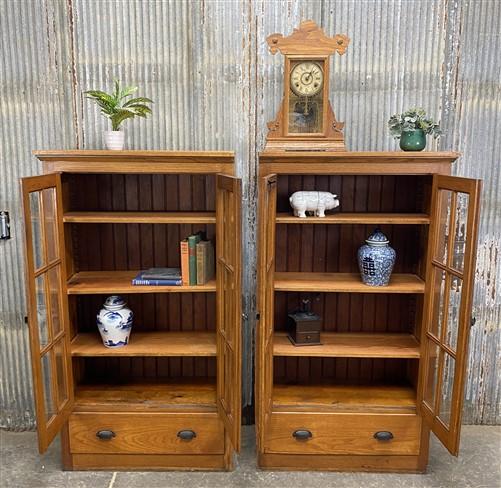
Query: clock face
x=306, y=79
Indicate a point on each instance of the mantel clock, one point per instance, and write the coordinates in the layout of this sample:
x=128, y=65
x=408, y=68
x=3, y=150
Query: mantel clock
x=306, y=120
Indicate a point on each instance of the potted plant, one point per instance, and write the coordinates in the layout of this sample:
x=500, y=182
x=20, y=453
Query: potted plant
x=411, y=128
x=118, y=107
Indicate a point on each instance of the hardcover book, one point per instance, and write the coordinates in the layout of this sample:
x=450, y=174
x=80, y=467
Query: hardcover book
x=185, y=264
x=162, y=273
x=205, y=262
x=193, y=240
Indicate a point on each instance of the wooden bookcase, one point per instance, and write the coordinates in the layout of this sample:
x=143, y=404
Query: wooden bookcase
x=392, y=360
x=93, y=220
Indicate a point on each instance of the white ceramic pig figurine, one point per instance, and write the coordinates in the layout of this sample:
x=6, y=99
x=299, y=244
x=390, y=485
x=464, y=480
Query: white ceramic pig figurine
x=313, y=201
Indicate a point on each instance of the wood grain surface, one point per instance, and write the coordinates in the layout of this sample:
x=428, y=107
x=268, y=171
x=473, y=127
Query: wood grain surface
x=368, y=398
x=344, y=433
x=183, y=394
x=351, y=345
x=146, y=433
x=154, y=344
x=105, y=282
x=140, y=217
x=345, y=283
x=356, y=218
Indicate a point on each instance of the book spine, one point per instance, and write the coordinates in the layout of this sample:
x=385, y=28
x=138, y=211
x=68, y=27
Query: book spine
x=201, y=264
x=185, y=267
x=192, y=258
x=143, y=282
x=211, y=262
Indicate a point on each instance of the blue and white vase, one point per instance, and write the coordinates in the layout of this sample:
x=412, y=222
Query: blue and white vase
x=376, y=260
x=114, y=322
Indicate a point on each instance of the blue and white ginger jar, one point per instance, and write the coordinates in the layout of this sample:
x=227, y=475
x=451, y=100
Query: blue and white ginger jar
x=376, y=260
x=114, y=322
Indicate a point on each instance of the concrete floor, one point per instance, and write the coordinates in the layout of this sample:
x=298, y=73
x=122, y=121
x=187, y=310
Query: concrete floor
x=478, y=466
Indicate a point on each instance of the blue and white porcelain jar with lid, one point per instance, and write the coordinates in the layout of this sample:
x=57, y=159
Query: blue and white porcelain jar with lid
x=376, y=260
x=114, y=322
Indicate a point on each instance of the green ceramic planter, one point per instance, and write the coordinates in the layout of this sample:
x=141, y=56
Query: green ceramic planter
x=413, y=141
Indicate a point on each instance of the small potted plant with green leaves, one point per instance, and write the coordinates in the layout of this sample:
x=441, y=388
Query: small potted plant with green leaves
x=118, y=106
x=411, y=127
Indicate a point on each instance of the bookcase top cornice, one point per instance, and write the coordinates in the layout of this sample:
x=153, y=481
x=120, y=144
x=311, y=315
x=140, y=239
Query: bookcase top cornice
x=146, y=155
x=107, y=161
x=352, y=163
x=356, y=156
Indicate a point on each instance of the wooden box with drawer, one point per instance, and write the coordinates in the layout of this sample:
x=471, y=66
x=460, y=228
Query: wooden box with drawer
x=170, y=399
x=391, y=360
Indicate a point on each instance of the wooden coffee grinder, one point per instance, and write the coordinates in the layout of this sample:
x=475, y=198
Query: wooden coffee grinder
x=304, y=326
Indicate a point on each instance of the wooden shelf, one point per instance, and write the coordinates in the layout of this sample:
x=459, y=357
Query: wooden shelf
x=172, y=394
x=345, y=283
x=344, y=398
x=152, y=344
x=106, y=282
x=356, y=218
x=351, y=345
x=140, y=217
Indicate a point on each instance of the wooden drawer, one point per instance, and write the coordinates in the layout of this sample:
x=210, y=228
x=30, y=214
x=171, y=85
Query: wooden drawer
x=146, y=433
x=343, y=434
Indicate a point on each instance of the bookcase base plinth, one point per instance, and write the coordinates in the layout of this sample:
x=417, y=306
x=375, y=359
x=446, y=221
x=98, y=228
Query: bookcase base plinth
x=315, y=462
x=147, y=462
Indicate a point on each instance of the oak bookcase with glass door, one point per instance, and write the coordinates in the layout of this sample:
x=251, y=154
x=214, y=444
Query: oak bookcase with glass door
x=391, y=363
x=171, y=398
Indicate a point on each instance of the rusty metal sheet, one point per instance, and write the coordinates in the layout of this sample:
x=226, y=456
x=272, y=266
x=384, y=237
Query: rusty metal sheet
x=215, y=86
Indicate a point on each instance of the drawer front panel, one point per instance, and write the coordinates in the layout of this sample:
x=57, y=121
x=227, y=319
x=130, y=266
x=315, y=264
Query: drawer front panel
x=316, y=433
x=148, y=433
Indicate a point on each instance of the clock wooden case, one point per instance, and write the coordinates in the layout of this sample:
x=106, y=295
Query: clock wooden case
x=305, y=119
x=392, y=360
x=170, y=399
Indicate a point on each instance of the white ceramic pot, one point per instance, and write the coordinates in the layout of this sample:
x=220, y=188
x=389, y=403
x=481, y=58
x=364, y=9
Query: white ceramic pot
x=114, y=322
x=114, y=139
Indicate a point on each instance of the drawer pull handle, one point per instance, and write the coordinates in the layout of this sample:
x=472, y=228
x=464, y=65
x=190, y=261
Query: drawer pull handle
x=105, y=435
x=186, y=435
x=302, y=435
x=383, y=435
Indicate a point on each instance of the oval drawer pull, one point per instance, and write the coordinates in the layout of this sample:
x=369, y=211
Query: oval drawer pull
x=302, y=435
x=186, y=435
x=383, y=435
x=105, y=435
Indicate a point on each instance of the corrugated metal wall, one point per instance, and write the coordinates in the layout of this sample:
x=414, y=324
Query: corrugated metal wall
x=215, y=86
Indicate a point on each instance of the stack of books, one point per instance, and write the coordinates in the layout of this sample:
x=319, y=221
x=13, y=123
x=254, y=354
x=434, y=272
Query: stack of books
x=158, y=277
x=197, y=266
x=197, y=260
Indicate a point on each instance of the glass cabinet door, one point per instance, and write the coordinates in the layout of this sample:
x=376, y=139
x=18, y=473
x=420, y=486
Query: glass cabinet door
x=450, y=278
x=47, y=306
x=229, y=310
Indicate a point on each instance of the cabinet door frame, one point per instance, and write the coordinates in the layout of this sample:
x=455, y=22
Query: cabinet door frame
x=61, y=381
x=266, y=297
x=440, y=342
x=229, y=333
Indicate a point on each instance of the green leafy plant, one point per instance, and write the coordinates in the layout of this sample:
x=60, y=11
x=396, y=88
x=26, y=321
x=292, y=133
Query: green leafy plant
x=410, y=120
x=118, y=106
